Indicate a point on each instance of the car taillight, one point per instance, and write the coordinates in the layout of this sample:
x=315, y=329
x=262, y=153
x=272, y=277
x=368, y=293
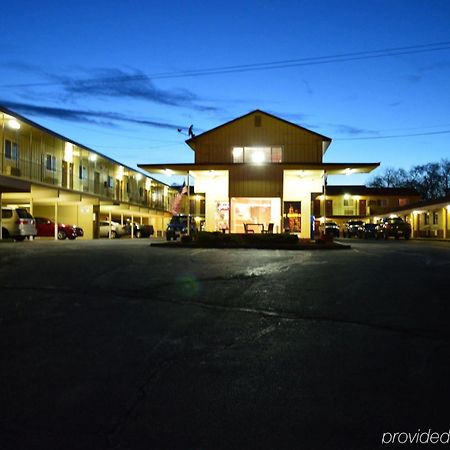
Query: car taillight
x=22, y=222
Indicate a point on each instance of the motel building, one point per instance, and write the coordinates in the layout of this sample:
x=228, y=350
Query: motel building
x=56, y=178
x=261, y=173
x=257, y=173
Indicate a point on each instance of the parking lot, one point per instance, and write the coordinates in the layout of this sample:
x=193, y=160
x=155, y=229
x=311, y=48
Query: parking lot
x=116, y=344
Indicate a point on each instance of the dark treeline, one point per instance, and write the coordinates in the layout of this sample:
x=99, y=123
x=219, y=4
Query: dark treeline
x=430, y=180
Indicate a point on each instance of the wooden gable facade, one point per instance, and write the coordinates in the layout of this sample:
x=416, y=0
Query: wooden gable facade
x=259, y=129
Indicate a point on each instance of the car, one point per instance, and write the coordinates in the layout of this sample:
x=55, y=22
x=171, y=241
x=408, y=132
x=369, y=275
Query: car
x=46, y=227
x=18, y=224
x=351, y=227
x=392, y=226
x=366, y=230
x=117, y=230
x=330, y=228
x=178, y=226
x=140, y=230
x=79, y=231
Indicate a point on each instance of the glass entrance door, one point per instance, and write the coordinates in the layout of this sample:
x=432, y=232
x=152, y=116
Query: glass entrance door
x=257, y=212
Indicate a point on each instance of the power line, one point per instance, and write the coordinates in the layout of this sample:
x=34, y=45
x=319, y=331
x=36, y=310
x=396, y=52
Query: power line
x=362, y=138
x=308, y=61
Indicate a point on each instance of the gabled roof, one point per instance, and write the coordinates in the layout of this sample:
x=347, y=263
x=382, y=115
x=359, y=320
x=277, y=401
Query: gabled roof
x=256, y=111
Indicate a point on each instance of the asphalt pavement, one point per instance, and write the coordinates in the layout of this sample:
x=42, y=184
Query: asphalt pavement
x=122, y=345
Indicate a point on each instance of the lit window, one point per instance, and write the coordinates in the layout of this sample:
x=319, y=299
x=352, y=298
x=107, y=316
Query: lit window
x=238, y=155
x=276, y=154
x=257, y=155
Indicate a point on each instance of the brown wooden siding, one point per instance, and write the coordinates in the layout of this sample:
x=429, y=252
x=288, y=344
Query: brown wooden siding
x=298, y=145
x=256, y=181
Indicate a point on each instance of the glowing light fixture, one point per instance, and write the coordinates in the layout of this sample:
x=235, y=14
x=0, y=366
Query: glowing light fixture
x=348, y=171
x=68, y=152
x=258, y=157
x=168, y=172
x=346, y=196
x=12, y=123
x=92, y=157
x=138, y=176
x=237, y=151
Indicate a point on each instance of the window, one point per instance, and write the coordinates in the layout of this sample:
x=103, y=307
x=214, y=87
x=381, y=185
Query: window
x=435, y=218
x=82, y=173
x=426, y=218
x=348, y=202
x=50, y=162
x=11, y=150
x=257, y=155
x=110, y=182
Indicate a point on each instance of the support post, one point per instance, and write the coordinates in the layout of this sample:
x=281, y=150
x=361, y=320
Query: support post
x=189, y=206
x=56, y=221
x=1, y=217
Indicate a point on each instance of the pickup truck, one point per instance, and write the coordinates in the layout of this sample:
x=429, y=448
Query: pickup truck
x=392, y=226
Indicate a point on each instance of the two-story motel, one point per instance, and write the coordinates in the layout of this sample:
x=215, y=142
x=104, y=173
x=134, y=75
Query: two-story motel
x=56, y=177
x=260, y=169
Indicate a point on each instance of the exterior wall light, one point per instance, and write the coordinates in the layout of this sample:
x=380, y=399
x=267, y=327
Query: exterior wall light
x=12, y=123
x=258, y=157
x=346, y=196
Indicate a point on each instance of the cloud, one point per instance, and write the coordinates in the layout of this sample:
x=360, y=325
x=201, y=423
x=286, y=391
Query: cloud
x=354, y=131
x=421, y=72
x=104, y=83
x=78, y=115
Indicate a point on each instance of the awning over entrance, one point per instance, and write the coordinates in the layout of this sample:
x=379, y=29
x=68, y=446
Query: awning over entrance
x=330, y=168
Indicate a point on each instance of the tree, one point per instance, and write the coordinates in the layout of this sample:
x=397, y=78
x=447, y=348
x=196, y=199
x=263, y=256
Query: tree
x=431, y=180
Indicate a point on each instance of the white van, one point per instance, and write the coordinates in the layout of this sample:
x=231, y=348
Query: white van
x=17, y=223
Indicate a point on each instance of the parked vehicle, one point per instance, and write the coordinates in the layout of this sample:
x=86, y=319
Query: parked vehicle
x=139, y=230
x=178, y=226
x=366, y=230
x=79, y=231
x=17, y=223
x=392, y=226
x=330, y=228
x=46, y=227
x=351, y=227
x=117, y=230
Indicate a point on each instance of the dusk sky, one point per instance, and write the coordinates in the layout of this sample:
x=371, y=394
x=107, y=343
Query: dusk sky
x=122, y=77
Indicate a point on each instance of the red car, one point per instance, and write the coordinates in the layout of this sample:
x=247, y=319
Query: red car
x=46, y=227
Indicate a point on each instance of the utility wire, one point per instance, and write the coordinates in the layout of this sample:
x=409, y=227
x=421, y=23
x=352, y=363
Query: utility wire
x=363, y=138
x=309, y=61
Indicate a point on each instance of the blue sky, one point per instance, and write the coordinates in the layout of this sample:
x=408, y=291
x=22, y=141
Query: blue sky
x=118, y=76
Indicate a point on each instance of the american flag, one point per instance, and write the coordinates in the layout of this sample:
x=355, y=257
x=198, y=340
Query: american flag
x=176, y=205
